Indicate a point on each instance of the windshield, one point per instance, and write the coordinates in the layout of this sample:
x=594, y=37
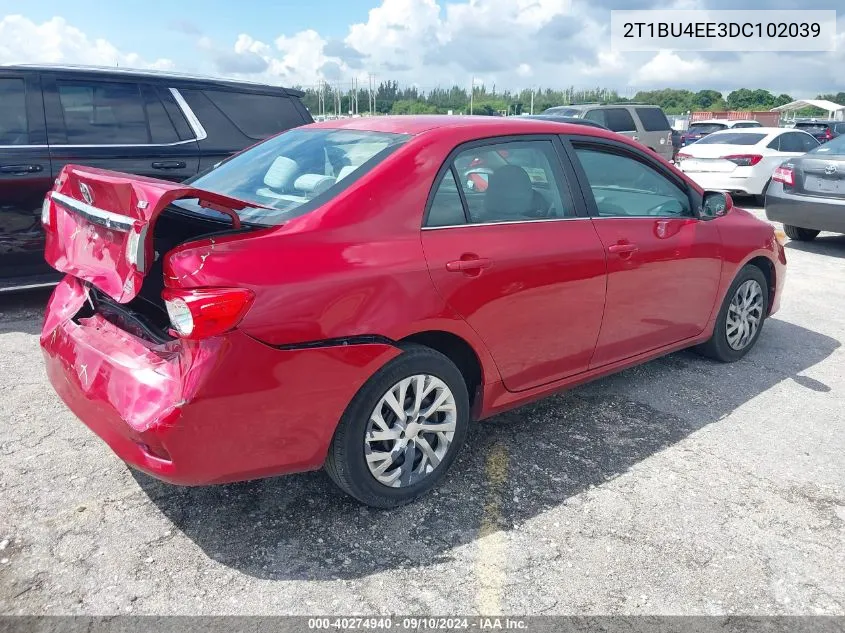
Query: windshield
x=706, y=128
x=283, y=174
x=731, y=138
x=812, y=127
x=835, y=147
x=560, y=111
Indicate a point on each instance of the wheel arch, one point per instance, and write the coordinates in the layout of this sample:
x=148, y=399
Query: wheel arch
x=767, y=267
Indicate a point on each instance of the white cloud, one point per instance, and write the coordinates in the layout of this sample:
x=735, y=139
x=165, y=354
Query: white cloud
x=56, y=41
x=509, y=43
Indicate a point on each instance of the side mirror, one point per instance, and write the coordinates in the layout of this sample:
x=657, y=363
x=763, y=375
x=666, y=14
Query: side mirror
x=716, y=204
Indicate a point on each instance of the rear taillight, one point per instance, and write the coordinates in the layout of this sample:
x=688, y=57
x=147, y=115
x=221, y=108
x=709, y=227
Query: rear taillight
x=785, y=175
x=828, y=134
x=744, y=160
x=45, y=210
x=204, y=312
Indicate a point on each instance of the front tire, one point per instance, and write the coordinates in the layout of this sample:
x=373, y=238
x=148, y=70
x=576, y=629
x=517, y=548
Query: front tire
x=741, y=317
x=402, y=430
x=799, y=234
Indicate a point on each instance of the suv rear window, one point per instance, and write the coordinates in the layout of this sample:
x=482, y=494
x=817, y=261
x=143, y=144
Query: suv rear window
x=255, y=115
x=283, y=175
x=13, y=125
x=653, y=119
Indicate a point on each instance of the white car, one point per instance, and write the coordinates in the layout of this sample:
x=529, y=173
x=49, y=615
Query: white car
x=742, y=161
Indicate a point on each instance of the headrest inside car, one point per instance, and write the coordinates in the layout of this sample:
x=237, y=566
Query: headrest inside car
x=281, y=172
x=313, y=184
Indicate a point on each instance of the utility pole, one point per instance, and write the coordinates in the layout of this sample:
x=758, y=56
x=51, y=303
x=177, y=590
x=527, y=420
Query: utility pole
x=532, y=100
x=471, y=93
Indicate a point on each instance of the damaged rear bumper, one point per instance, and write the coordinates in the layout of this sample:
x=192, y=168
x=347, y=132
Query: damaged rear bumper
x=228, y=408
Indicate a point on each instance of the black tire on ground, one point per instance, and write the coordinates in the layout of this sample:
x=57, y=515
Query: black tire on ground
x=760, y=200
x=718, y=347
x=797, y=233
x=346, y=462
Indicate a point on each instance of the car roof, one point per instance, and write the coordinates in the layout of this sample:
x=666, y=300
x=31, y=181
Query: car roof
x=150, y=74
x=485, y=125
x=724, y=121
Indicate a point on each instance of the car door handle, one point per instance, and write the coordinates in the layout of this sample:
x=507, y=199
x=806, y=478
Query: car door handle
x=468, y=265
x=169, y=164
x=622, y=249
x=20, y=169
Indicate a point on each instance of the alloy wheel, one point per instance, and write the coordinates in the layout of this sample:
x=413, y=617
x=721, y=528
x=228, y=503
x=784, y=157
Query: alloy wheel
x=410, y=430
x=745, y=314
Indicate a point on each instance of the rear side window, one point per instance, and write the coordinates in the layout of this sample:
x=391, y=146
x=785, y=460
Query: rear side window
x=13, y=124
x=103, y=113
x=446, y=206
x=797, y=142
x=162, y=129
x=618, y=120
x=177, y=117
x=256, y=116
x=653, y=119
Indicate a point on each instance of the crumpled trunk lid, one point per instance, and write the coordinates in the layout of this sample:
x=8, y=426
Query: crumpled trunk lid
x=99, y=227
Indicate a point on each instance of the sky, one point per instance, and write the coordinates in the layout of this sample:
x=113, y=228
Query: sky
x=511, y=44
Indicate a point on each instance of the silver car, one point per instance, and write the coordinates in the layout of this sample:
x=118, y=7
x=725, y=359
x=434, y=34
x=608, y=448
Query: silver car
x=644, y=123
x=807, y=193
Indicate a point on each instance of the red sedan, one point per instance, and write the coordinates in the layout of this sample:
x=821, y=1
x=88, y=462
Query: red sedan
x=345, y=295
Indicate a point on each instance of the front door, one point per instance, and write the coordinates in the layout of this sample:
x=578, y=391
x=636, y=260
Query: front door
x=513, y=258
x=664, y=264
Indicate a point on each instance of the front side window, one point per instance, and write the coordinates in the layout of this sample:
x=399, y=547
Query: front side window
x=103, y=113
x=504, y=182
x=13, y=124
x=284, y=174
x=623, y=186
x=796, y=142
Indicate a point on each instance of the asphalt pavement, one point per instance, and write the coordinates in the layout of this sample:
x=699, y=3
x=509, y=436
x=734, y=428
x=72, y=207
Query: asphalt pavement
x=682, y=486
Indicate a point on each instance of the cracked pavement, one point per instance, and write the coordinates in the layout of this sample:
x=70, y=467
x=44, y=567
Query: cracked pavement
x=678, y=487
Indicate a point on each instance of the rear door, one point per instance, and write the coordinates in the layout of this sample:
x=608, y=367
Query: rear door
x=615, y=119
x=663, y=262
x=25, y=177
x=518, y=259
x=120, y=124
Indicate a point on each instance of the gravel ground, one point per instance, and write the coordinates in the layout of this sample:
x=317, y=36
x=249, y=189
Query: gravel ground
x=679, y=487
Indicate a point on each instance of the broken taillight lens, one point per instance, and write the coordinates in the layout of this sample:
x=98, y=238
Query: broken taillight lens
x=203, y=312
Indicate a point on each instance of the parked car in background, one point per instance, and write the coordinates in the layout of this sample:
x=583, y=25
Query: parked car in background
x=644, y=123
x=822, y=130
x=742, y=161
x=336, y=296
x=700, y=129
x=162, y=125
x=807, y=193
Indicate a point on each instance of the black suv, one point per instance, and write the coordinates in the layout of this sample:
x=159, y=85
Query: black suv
x=163, y=125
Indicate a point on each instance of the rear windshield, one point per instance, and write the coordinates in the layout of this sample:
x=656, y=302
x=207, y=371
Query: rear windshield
x=560, y=111
x=731, y=138
x=812, y=127
x=291, y=174
x=706, y=128
x=835, y=147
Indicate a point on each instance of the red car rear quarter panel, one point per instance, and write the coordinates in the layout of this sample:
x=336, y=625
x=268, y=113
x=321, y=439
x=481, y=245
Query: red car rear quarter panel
x=354, y=267
x=224, y=409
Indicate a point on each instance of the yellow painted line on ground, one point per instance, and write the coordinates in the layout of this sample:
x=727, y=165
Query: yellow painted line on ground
x=490, y=561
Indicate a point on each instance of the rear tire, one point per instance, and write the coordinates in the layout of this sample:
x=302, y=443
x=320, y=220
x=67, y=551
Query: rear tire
x=741, y=317
x=799, y=234
x=760, y=200
x=356, y=459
